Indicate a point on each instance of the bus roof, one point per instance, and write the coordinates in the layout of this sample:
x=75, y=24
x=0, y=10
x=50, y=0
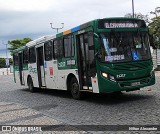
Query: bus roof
x=40, y=40
x=90, y=23
x=75, y=29
x=34, y=42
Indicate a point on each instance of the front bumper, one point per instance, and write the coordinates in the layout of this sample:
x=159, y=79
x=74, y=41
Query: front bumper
x=108, y=86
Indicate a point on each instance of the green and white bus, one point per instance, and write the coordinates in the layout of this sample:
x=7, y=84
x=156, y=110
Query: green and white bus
x=101, y=56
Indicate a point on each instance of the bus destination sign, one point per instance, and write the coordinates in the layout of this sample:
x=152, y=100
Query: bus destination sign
x=121, y=25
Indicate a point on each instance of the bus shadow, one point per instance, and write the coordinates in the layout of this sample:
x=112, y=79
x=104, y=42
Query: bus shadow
x=112, y=99
x=108, y=99
x=51, y=92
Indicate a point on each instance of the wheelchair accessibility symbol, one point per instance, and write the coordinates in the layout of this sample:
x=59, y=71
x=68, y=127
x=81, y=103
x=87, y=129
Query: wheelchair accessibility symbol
x=135, y=56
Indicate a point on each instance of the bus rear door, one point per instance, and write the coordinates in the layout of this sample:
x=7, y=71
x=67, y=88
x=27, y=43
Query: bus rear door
x=20, y=62
x=40, y=67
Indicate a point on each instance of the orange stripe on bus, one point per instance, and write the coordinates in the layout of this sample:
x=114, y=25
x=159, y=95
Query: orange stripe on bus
x=66, y=32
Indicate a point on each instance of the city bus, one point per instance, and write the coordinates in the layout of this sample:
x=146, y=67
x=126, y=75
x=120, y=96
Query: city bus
x=107, y=55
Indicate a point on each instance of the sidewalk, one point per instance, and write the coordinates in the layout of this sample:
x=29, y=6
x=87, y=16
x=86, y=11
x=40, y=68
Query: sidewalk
x=3, y=71
x=157, y=73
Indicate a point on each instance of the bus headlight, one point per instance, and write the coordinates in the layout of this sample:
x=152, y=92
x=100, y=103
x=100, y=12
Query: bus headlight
x=105, y=75
x=108, y=76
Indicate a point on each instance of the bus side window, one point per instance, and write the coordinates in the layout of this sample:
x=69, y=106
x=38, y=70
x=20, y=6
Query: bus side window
x=25, y=56
x=32, y=55
x=91, y=48
x=15, y=59
x=72, y=46
x=55, y=50
x=58, y=49
x=68, y=46
x=91, y=56
x=48, y=50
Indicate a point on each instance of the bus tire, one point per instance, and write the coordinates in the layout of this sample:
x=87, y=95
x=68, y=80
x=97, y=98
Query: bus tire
x=75, y=91
x=30, y=85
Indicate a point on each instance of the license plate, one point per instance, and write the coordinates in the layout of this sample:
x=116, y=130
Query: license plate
x=135, y=83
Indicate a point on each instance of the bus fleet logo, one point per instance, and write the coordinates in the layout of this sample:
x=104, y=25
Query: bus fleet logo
x=71, y=62
x=32, y=70
x=121, y=75
x=82, y=31
x=61, y=64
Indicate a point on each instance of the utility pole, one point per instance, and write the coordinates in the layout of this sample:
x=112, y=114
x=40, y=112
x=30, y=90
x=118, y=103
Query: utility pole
x=57, y=28
x=7, y=60
x=133, y=8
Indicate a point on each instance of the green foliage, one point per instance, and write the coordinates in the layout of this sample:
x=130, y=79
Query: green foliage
x=14, y=44
x=154, y=27
x=2, y=63
x=10, y=61
x=139, y=16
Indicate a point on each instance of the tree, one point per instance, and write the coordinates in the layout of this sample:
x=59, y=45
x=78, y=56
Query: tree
x=154, y=27
x=139, y=16
x=10, y=61
x=156, y=11
x=14, y=44
x=2, y=63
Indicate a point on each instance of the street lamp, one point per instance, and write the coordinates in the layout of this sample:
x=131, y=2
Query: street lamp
x=57, y=28
x=133, y=8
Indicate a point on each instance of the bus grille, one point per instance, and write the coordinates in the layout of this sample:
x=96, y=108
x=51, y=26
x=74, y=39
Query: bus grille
x=131, y=66
x=128, y=84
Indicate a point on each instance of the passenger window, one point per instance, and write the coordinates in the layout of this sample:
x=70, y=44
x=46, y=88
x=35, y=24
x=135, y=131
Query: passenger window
x=48, y=50
x=68, y=46
x=25, y=56
x=32, y=55
x=58, y=49
x=91, y=48
x=15, y=59
x=55, y=50
x=72, y=46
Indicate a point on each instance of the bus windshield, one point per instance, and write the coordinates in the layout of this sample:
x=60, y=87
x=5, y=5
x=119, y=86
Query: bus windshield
x=124, y=46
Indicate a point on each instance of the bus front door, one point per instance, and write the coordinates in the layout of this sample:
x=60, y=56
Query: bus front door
x=21, y=75
x=40, y=67
x=85, y=60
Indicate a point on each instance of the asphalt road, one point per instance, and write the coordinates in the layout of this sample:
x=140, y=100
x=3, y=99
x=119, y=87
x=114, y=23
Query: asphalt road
x=57, y=107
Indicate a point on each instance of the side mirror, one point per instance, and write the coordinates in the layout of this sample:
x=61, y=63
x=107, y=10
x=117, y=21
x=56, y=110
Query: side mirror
x=96, y=35
x=96, y=41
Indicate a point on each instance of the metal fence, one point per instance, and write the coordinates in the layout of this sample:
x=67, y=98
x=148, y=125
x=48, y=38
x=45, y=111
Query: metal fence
x=156, y=58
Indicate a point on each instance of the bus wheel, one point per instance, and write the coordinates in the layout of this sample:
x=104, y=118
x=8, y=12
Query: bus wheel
x=30, y=85
x=74, y=87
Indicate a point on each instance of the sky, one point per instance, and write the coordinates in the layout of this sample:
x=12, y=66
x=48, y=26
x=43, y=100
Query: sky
x=32, y=18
